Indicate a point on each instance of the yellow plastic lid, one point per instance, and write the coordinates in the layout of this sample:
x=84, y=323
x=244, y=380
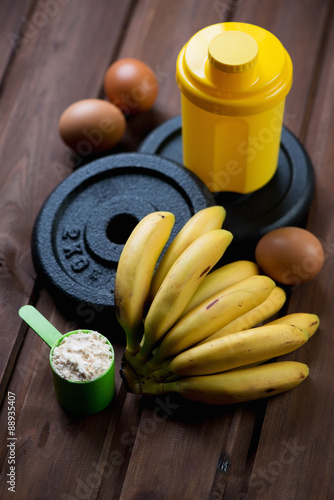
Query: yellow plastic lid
x=233, y=51
x=234, y=69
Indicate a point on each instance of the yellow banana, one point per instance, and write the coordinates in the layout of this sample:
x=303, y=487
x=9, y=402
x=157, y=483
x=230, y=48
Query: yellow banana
x=135, y=270
x=221, y=278
x=205, y=220
x=179, y=285
x=237, y=386
x=211, y=315
x=236, y=350
x=266, y=309
x=308, y=321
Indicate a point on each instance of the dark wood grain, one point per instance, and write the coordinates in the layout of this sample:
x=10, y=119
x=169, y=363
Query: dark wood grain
x=15, y=30
x=228, y=484
x=297, y=435
x=162, y=447
x=64, y=61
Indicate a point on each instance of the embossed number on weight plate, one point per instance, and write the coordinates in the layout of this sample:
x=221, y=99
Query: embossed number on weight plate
x=95, y=274
x=80, y=264
x=73, y=249
x=71, y=232
x=69, y=251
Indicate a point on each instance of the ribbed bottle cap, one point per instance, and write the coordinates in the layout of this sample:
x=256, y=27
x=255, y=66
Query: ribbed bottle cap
x=233, y=51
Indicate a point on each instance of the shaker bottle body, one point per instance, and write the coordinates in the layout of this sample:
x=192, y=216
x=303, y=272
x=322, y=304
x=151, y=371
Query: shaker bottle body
x=232, y=107
x=231, y=153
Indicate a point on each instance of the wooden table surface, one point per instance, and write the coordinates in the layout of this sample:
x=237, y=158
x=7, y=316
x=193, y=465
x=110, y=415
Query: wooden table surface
x=55, y=52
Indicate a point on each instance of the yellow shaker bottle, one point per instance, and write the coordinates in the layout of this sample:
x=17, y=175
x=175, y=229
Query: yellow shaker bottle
x=233, y=78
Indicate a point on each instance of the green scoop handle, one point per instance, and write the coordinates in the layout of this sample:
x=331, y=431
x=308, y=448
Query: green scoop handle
x=40, y=325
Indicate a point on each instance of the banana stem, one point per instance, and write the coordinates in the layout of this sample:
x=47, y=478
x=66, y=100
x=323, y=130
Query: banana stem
x=132, y=342
x=141, y=369
x=139, y=379
x=156, y=361
x=172, y=378
x=135, y=374
x=145, y=351
x=162, y=373
x=132, y=347
x=130, y=378
x=159, y=388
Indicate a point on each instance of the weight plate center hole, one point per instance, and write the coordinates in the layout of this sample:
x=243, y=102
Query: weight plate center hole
x=120, y=227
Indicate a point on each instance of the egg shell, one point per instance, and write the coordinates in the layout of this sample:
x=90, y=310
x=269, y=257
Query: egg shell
x=290, y=255
x=92, y=125
x=131, y=85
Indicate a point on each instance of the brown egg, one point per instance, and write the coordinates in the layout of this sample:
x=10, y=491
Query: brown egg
x=131, y=85
x=92, y=125
x=290, y=255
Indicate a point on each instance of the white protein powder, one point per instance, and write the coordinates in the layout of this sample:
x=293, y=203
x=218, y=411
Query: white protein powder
x=82, y=356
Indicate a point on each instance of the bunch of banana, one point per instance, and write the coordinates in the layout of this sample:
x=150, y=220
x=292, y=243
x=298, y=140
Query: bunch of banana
x=203, y=331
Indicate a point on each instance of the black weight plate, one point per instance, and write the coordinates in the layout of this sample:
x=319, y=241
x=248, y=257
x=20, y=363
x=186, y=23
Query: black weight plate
x=284, y=201
x=82, y=227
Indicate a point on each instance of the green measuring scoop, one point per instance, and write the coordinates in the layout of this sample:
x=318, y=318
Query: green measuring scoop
x=81, y=398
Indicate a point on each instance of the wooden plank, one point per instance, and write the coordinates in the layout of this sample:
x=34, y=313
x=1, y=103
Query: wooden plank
x=179, y=454
x=281, y=454
x=64, y=62
x=162, y=453
x=148, y=473
x=114, y=462
x=58, y=66
x=131, y=443
x=15, y=30
x=237, y=455
x=295, y=459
